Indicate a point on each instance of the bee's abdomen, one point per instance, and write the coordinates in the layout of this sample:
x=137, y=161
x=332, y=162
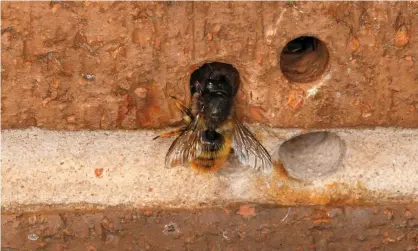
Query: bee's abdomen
x=215, y=152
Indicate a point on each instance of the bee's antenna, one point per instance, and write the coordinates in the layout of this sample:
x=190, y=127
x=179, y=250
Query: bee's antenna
x=212, y=71
x=199, y=87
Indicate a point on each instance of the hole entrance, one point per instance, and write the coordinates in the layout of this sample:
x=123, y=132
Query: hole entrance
x=220, y=73
x=304, y=59
x=312, y=155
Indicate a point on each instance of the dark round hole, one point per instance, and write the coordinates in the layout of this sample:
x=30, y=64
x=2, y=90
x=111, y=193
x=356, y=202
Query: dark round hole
x=304, y=59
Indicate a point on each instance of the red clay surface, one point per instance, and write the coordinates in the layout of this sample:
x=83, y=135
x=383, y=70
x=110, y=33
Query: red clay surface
x=241, y=227
x=107, y=65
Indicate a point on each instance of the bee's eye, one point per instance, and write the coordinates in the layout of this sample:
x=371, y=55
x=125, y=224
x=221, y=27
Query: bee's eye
x=210, y=85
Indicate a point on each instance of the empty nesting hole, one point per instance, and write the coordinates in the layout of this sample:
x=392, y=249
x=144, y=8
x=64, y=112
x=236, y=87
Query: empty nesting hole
x=304, y=59
x=312, y=155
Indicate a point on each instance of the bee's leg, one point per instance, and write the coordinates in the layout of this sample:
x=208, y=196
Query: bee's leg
x=182, y=107
x=171, y=133
x=187, y=119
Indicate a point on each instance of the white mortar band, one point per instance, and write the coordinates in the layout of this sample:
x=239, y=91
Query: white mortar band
x=41, y=167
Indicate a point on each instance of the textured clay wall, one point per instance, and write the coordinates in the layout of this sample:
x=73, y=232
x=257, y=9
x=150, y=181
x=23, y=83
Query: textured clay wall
x=231, y=228
x=91, y=65
x=113, y=65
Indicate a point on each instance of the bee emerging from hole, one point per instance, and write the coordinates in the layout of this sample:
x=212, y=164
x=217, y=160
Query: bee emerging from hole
x=212, y=131
x=301, y=45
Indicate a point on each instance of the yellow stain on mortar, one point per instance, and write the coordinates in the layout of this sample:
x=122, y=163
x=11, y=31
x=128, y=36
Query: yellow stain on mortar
x=285, y=190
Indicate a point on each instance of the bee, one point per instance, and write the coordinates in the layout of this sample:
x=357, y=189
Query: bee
x=212, y=132
x=301, y=45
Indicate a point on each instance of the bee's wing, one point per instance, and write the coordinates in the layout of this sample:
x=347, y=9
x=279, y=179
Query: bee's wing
x=248, y=150
x=186, y=146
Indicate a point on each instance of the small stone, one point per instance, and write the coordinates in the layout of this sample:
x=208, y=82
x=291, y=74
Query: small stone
x=88, y=76
x=171, y=228
x=209, y=36
x=389, y=213
x=246, y=211
x=334, y=212
x=259, y=59
x=98, y=172
x=33, y=237
x=366, y=110
x=66, y=231
x=56, y=83
x=366, y=115
x=157, y=43
x=409, y=60
x=71, y=119
x=295, y=99
x=408, y=214
x=6, y=37
x=147, y=212
x=354, y=43
x=141, y=92
x=216, y=28
x=400, y=237
x=388, y=240
x=401, y=37
x=55, y=7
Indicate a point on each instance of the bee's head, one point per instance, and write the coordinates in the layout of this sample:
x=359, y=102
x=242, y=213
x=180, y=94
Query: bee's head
x=217, y=101
x=215, y=86
x=215, y=76
x=219, y=86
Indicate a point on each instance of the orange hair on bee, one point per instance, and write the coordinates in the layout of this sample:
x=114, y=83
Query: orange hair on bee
x=211, y=162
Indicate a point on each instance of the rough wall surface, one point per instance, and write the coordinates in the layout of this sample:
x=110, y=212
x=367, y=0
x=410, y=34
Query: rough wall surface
x=232, y=228
x=112, y=65
x=106, y=65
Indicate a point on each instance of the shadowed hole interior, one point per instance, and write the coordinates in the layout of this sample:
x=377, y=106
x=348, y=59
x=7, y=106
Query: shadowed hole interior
x=304, y=59
x=312, y=155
